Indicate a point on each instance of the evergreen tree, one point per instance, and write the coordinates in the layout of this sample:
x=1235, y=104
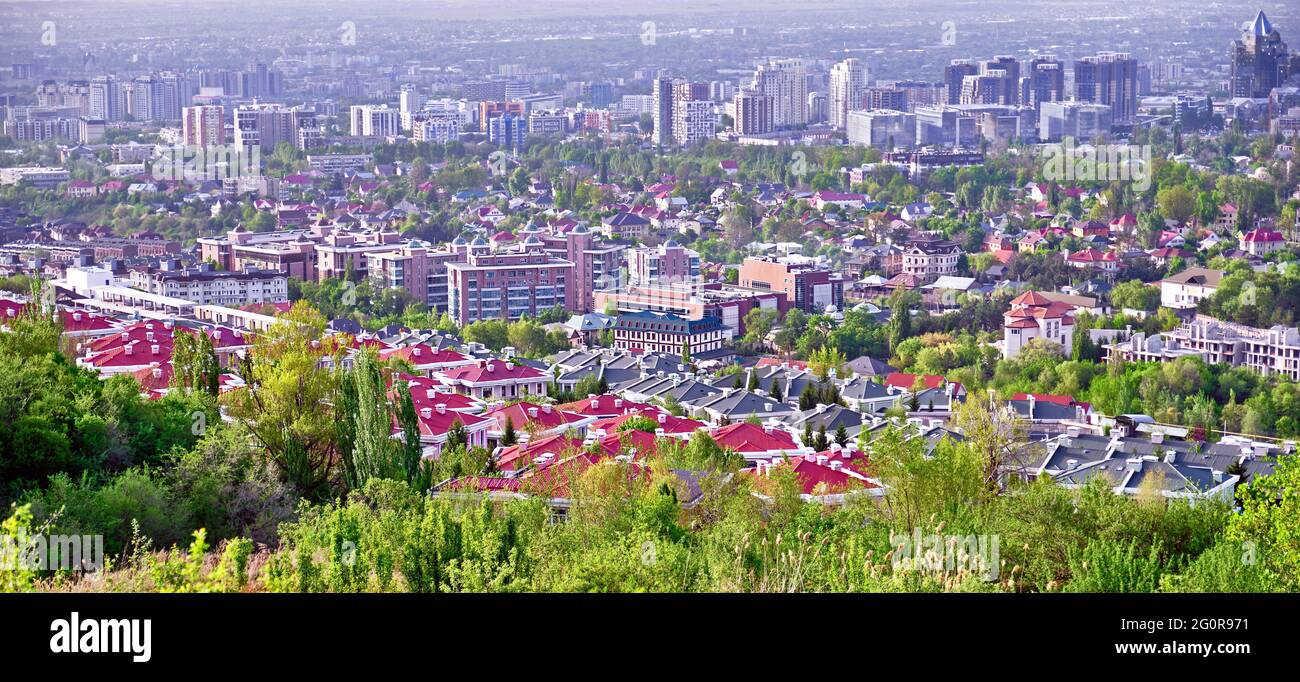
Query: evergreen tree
x=508, y=436
x=821, y=442
x=457, y=436
x=740, y=381
x=807, y=434
x=753, y=381
x=412, y=450
x=841, y=435
x=373, y=450
x=776, y=391
x=808, y=397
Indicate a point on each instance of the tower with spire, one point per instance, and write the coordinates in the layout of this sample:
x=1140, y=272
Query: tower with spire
x=1259, y=60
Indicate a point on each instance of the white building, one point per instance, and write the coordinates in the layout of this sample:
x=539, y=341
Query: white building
x=1189, y=287
x=375, y=120
x=1033, y=316
x=848, y=80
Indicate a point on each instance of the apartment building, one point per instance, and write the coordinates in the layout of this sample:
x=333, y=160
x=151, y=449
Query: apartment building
x=807, y=285
x=508, y=283
x=205, y=285
x=666, y=333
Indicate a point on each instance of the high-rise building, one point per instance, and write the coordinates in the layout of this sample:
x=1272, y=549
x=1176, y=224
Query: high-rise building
x=375, y=120
x=1007, y=69
x=203, y=126
x=508, y=130
x=754, y=113
x=848, y=80
x=1046, y=81
x=438, y=127
x=884, y=98
x=1259, y=60
x=106, y=99
x=985, y=88
x=954, y=75
x=663, y=111
x=266, y=125
x=1108, y=78
x=786, y=80
x=693, y=120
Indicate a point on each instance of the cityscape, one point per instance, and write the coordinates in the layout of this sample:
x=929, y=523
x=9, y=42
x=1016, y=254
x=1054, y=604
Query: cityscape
x=849, y=297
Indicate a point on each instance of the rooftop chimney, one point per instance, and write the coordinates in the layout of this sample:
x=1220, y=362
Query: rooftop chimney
x=426, y=412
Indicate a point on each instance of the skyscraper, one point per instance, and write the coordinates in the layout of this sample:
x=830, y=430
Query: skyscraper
x=203, y=126
x=786, y=80
x=1108, y=78
x=753, y=113
x=954, y=75
x=1259, y=60
x=1046, y=81
x=848, y=79
x=375, y=120
x=663, y=111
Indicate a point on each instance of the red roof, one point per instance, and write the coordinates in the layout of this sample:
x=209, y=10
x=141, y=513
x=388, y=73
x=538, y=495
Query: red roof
x=1031, y=298
x=813, y=476
x=436, y=424
x=422, y=354
x=777, y=362
x=521, y=455
x=1066, y=400
x=1092, y=256
x=492, y=370
x=607, y=405
x=907, y=381
x=745, y=437
x=11, y=309
x=669, y=423
x=83, y=321
x=1262, y=235
x=545, y=417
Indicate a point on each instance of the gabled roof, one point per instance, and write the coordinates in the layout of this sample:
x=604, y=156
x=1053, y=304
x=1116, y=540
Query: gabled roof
x=745, y=437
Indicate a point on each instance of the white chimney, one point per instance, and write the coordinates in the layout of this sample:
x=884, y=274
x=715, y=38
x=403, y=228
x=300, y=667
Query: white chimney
x=442, y=408
x=153, y=349
x=1157, y=437
x=426, y=412
x=532, y=412
x=821, y=459
x=130, y=349
x=415, y=351
x=157, y=372
x=546, y=409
